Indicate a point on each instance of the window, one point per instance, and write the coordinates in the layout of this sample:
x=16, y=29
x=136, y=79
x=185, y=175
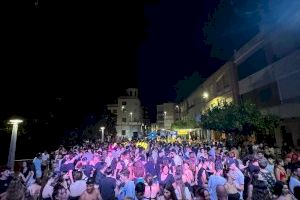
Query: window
x=124, y=103
x=265, y=95
x=253, y=64
x=115, y=111
x=123, y=132
x=123, y=119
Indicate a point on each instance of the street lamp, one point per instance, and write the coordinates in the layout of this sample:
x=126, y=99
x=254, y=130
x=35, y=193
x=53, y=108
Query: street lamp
x=13, y=142
x=102, y=135
x=205, y=95
x=178, y=111
x=131, y=115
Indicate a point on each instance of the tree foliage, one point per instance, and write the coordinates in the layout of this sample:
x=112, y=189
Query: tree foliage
x=94, y=131
x=243, y=118
x=187, y=85
x=185, y=124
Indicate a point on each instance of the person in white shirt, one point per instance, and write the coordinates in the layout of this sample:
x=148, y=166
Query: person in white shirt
x=78, y=186
x=177, y=159
x=48, y=189
x=237, y=175
x=294, y=180
x=45, y=160
x=34, y=189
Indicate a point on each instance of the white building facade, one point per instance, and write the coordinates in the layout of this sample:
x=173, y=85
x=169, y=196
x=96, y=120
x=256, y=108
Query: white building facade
x=129, y=115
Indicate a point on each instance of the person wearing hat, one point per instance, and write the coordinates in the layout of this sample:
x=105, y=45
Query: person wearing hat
x=91, y=193
x=238, y=176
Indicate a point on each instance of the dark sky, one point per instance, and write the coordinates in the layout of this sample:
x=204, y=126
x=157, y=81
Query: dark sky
x=174, y=47
x=73, y=57
x=64, y=60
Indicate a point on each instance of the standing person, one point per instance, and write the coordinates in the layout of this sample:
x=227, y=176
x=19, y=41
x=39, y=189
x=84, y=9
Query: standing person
x=260, y=188
x=168, y=193
x=268, y=177
x=108, y=185
x=182, y=192
x=45, y=160
x=5, y=179
x=37, y=161
x=15, y=190
x=238, y=176
x=202, y=174
x=165, y=178
x=27, y=174
x=270, y=166
x=128, y=190
x=151, y=188
x=177, y=159
x=202, y=194
x=78, y=186
x=221, y=192
x=60, y=192
x=294, y=180
x=91, y=193
x=99, y=175
x=35, y=189
x=187, y=176
x=215, y=180
x=230, y=186
x=150, y=166
x=139, y=191
x=280, y=173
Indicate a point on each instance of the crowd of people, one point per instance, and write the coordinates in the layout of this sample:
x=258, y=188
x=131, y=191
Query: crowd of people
x=156, y=170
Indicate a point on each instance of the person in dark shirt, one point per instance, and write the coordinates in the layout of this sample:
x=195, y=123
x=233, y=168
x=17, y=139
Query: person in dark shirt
x=108, y=185
x=150, y=166
x=87, y=170
x=5, y=179
x=99, y=175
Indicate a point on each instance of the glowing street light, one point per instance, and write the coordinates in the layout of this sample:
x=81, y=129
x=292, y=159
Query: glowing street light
x=131, y=115
x=102, y=133
x=205, y=95
x=123, y=107
x=165, y=113
x=13, y=142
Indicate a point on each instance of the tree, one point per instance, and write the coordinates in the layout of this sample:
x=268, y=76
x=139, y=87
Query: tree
x=186, y=86
x=244, y=118
x=93, y=131
x=185, y=124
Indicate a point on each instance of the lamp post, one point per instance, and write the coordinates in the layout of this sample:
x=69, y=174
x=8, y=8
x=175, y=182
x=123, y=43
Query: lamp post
x=131, y=116
x=178, y=111
x=13, y=142
x=102, y=134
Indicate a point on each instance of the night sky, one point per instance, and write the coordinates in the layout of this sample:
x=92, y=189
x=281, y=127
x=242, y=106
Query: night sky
x=64, y=60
